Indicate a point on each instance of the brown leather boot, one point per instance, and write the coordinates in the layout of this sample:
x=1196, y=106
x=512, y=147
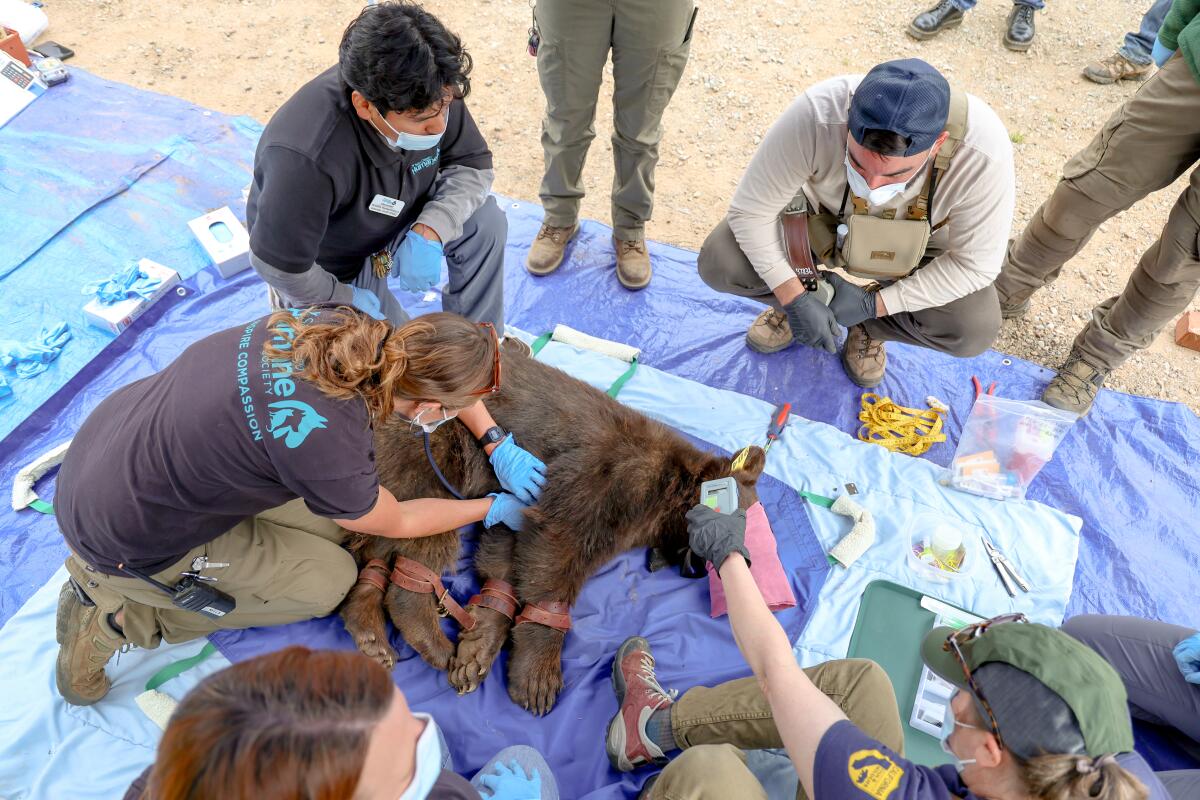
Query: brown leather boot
x=86, y=643
x=770, y=332
x=633, y=263
x=546, y=252
x=864, y=358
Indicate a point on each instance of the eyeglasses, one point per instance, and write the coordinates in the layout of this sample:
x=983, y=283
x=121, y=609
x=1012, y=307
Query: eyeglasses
x=495, y=387
x=953, y=644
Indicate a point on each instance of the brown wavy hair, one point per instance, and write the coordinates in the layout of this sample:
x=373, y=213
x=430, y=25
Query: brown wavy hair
x=441, y=357
x=291, y=724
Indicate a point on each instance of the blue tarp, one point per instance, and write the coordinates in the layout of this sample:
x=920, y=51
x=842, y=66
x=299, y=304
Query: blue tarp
x=1127, y=469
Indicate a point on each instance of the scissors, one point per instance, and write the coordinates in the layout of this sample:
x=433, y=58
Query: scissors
x=1004, y=568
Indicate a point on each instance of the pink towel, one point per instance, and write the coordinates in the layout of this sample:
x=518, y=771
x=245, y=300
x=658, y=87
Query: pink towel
x=764, y=566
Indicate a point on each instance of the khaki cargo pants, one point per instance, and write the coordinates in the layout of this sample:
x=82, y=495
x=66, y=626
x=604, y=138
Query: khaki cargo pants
x=1147, y=144
x=715, y=725
x=285, y=565
x=649, y=40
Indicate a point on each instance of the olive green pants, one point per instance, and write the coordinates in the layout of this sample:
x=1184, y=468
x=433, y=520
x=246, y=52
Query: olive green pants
x=1147, y=144
x=714, y=725
x=284, y=565
x=649, y=40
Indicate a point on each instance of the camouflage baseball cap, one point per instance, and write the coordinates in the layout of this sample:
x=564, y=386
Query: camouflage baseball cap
x=1050, y=693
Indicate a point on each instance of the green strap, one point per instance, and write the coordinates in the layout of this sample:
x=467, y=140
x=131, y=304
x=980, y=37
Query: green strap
x=42, y=506
x=617, y=385
x=179, y=667
x=816, y=499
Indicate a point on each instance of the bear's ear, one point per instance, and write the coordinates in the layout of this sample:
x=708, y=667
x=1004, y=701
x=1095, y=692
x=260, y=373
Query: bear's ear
x=748, y=464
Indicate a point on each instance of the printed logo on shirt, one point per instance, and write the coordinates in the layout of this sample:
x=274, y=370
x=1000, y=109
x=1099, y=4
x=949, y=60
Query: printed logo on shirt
x=427, y=161
x=293, y=421
x=243, y=382
x=875, y=773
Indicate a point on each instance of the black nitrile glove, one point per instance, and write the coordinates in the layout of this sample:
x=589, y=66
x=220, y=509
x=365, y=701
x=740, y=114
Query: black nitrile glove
x=713, y=535
x=812, y=322
x=851, y=304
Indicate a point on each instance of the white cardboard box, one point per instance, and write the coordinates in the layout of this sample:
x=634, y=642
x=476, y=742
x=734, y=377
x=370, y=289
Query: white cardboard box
x=225, y=239
x=120, y=315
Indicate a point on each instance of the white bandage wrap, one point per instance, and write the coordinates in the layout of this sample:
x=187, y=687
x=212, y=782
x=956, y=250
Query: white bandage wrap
x=157, y=706
x=860, y=537
x=22, y=490
x=585, y=341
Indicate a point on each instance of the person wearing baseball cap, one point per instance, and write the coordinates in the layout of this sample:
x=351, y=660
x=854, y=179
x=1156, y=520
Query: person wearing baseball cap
x=894, y=177
x=1036, y=715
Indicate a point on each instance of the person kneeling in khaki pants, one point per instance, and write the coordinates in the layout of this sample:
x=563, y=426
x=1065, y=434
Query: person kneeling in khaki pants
x=237, y=467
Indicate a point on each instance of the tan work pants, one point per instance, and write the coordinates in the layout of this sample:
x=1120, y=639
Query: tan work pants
x=715, y=725
x=1146, y=145
x=285, y=565
x=649, y=40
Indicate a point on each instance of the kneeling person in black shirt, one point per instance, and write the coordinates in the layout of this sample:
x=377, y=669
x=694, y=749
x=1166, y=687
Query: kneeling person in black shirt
x=375, y=167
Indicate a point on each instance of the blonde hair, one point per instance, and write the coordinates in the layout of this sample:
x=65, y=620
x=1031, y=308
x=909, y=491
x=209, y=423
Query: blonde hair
x=1065, y=777
x=441, y=357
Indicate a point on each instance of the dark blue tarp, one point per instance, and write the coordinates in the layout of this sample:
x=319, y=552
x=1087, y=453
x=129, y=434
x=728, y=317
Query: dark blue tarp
x=1128, y=469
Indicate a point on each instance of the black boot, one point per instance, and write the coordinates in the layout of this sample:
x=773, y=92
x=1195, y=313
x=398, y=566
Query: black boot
x=1020, y=28
x=929, y=24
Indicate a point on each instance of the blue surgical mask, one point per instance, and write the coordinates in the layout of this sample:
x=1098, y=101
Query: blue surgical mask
x=411, y=141
x=879, y=195
x=428, y=761
x=429, y=427
x=949, y=723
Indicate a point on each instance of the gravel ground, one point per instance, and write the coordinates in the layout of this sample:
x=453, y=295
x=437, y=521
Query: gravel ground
x=749, y=59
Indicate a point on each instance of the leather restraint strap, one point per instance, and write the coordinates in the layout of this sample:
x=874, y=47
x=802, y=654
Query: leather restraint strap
x=497, y=595
x=375, y=573
x=556, y=614
x=416, y=577
x=794, y=222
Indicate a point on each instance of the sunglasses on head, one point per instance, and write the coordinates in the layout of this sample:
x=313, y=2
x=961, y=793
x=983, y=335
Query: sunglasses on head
x=495, y=387
x=953, y=645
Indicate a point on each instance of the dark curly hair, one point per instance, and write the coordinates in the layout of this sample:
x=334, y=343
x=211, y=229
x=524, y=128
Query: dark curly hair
x=401, y=58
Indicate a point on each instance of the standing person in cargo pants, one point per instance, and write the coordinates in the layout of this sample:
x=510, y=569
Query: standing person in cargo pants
x=649, y=40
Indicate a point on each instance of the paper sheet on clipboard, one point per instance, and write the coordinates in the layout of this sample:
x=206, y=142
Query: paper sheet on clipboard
x=933, y=693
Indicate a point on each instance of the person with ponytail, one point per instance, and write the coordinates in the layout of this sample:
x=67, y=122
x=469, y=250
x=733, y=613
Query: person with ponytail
x=217, y=492
x=325, y=725
x=1035, y=715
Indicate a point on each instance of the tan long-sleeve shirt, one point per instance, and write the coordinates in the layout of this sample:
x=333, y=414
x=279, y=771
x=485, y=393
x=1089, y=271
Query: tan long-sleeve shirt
x=806, y=148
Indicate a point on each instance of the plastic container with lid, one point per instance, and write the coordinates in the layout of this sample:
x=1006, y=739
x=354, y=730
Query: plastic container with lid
x=938, y=549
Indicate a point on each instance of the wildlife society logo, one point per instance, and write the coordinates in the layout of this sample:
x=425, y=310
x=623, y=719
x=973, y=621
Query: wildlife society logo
x=874, y=773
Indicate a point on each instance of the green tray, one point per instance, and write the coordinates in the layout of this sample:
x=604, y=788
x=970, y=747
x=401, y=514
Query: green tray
x=890, y=626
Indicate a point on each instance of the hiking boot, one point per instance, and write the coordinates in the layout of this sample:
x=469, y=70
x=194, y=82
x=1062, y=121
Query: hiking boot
x=633, y=263
x=928, y=24
x=1075, y=386
x=864, y=358
x=546, y=252
x=770, y=332
x=1014, y=310
x=639, y=695
x=1117, y=68
x=1019, y=35
x=86, y=642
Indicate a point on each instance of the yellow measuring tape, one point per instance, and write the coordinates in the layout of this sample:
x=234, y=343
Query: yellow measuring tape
x=899, y=429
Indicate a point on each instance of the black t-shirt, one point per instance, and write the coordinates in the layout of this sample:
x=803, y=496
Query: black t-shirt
x=319, y=169
x=174, y=460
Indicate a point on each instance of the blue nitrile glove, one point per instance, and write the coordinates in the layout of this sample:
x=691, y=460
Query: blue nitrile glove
x=812, y=322
x=510, y=783
x=505, y=509
x=34, y=356
x=125, y=283
x=367, y=302
x=1187, y=656
x=851, y=304
x=519, y=471
x=1160, y=53
x=417, y=262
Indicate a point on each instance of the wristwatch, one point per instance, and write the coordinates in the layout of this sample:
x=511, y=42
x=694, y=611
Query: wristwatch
x=493, y=435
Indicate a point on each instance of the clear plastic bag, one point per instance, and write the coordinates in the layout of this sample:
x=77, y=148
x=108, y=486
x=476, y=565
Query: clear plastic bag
x=1004, y=444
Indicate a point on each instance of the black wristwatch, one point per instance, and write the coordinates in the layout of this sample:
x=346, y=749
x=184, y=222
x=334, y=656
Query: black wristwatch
x=493, y=435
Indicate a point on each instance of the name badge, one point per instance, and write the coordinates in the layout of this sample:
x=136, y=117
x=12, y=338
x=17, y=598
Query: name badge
x=387, y=205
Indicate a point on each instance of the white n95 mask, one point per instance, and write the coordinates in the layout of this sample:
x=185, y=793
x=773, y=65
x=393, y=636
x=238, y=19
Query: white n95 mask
x=881, y=194
x=428, y=761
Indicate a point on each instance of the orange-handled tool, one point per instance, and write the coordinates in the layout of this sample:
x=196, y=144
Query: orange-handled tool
x=779, y=420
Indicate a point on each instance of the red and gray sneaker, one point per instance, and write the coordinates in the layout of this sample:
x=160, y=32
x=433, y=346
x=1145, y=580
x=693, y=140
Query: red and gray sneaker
x=639, y=695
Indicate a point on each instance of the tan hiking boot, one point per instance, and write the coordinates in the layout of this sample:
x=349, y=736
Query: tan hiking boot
x=1014, y=310
x=1075, y=386
x=633, y=263
x=770, y=332
x=546, y=252
x=864, y=358
x=86, y=643
x=1117, y=68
